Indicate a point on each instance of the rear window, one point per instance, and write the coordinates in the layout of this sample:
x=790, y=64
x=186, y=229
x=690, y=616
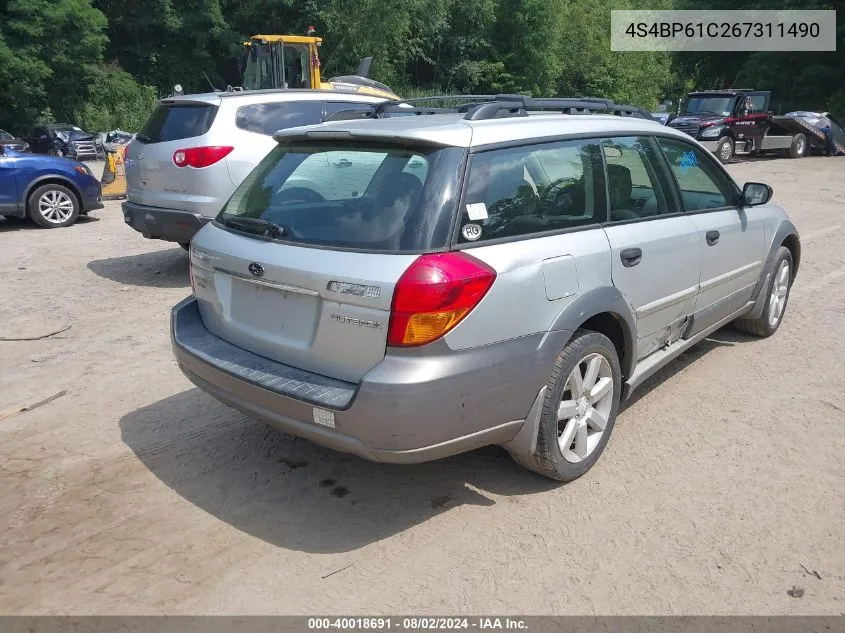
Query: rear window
x=268, y=118
x=374, y=197
x=527, y=190
x=173, y=122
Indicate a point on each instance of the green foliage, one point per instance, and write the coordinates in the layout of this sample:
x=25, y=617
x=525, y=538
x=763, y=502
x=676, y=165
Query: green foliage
x=116, y=101
x=102, y=62
x=798, y=80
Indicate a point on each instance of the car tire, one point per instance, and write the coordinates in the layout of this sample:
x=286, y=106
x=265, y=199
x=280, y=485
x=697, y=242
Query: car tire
x=569, y=445
x=798, y=149
x=725, y=149
x=776, y=292
x=52, y=206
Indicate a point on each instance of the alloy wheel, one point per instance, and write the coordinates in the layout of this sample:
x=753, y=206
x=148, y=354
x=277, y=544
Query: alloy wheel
x=55, y=206
x=778, y=296
x=585, y=407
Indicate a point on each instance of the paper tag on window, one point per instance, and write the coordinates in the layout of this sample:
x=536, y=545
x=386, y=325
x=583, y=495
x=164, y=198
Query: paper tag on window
x=477, y=211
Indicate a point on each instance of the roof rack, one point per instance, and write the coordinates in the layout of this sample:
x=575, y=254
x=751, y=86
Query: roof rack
x=483, y=107
x=520, y=105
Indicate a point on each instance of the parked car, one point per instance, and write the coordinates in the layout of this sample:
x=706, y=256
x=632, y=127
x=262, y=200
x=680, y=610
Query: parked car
x=12, y=142
x=485, y=278
x=62, y=139
x=51, y=191
x=114, y=140
x=194, y=150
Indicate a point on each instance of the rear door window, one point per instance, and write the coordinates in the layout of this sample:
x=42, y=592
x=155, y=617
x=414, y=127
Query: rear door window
x=173, y=122
x=634, y=182
x=525, y=190
x=375, y=197
x=269, y=118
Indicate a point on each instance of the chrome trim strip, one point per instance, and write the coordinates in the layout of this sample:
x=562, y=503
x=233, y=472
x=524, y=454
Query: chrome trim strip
x=269, y=284
x=710, y=283
x=666, y=302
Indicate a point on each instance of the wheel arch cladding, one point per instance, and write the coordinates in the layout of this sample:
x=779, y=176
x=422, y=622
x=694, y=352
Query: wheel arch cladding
x=603, y=310
x=792, y=242
x=54, y=180
x=785, y=235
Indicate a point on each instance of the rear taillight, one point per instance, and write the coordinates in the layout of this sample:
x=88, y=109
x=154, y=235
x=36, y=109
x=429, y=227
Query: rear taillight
x=434, y=295
x=200, y=156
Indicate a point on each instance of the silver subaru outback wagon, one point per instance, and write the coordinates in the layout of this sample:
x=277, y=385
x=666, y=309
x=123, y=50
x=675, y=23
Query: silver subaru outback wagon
x=410, y=288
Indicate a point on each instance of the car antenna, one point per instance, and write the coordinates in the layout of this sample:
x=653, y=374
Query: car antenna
x=213, y=87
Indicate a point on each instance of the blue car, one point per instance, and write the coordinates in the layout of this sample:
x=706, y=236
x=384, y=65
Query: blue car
x=51, y=191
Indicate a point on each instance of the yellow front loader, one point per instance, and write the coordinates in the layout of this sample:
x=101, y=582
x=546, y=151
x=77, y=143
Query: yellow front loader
x=293, y=61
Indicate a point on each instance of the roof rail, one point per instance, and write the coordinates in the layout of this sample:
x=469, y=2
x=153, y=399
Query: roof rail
x=460, y=103
x=520, y=105
x=483, y=107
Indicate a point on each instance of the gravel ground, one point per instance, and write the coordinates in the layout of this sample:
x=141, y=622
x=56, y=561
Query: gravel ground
x=722, y=488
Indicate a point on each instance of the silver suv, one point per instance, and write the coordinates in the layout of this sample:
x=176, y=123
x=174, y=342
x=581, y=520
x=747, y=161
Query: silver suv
x=194, y=150
x=409, y=288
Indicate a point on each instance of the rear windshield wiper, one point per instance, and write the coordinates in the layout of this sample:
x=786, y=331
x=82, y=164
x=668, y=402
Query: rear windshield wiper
x=143, y=138
x=254, y=225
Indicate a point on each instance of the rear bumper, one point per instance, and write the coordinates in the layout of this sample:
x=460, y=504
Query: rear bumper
x=92, y=195
x=94, y=204
x=409, y=408
x=163, y=224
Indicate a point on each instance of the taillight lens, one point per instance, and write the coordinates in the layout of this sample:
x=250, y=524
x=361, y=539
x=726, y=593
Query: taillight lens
x=199, y=157
x=434, y=295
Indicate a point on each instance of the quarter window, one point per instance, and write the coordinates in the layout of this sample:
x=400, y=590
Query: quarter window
x=634, y=184
x=701, y=182
x=527, y=190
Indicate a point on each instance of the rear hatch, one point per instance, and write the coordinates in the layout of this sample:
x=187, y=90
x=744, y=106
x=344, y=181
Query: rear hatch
x=302, y=262
x=152, y=178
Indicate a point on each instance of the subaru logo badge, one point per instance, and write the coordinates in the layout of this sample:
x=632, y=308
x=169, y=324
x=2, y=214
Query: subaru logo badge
x=256, y=269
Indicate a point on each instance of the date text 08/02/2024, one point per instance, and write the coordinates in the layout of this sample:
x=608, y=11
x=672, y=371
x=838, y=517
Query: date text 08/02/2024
x=415, y=624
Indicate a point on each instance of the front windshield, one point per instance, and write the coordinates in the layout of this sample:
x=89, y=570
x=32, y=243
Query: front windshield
x=260, y=72
x=5, y=136
x=721, y=106
x=368, y=197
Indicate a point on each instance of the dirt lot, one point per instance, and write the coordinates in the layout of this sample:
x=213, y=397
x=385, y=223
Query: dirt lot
x=722, y=487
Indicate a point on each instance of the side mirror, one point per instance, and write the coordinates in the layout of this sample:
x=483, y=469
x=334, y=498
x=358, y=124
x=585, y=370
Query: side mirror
x=756, y=193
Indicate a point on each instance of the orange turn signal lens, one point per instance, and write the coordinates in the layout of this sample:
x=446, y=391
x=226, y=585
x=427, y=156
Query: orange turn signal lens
x=428, y=326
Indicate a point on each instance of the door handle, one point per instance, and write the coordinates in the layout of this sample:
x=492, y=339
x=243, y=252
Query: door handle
x=631, y=257
x=712, y=237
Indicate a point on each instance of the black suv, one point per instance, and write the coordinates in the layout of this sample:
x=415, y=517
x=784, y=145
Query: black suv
x=62, y=139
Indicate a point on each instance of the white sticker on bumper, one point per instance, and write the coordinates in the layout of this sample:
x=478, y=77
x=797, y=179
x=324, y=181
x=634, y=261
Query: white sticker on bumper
x=323, y=417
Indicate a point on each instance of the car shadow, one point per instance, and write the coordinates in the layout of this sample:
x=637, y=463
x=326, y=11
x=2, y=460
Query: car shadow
x=9, y=224
x=294, y=494
x=297, y=495
x=162, y=269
